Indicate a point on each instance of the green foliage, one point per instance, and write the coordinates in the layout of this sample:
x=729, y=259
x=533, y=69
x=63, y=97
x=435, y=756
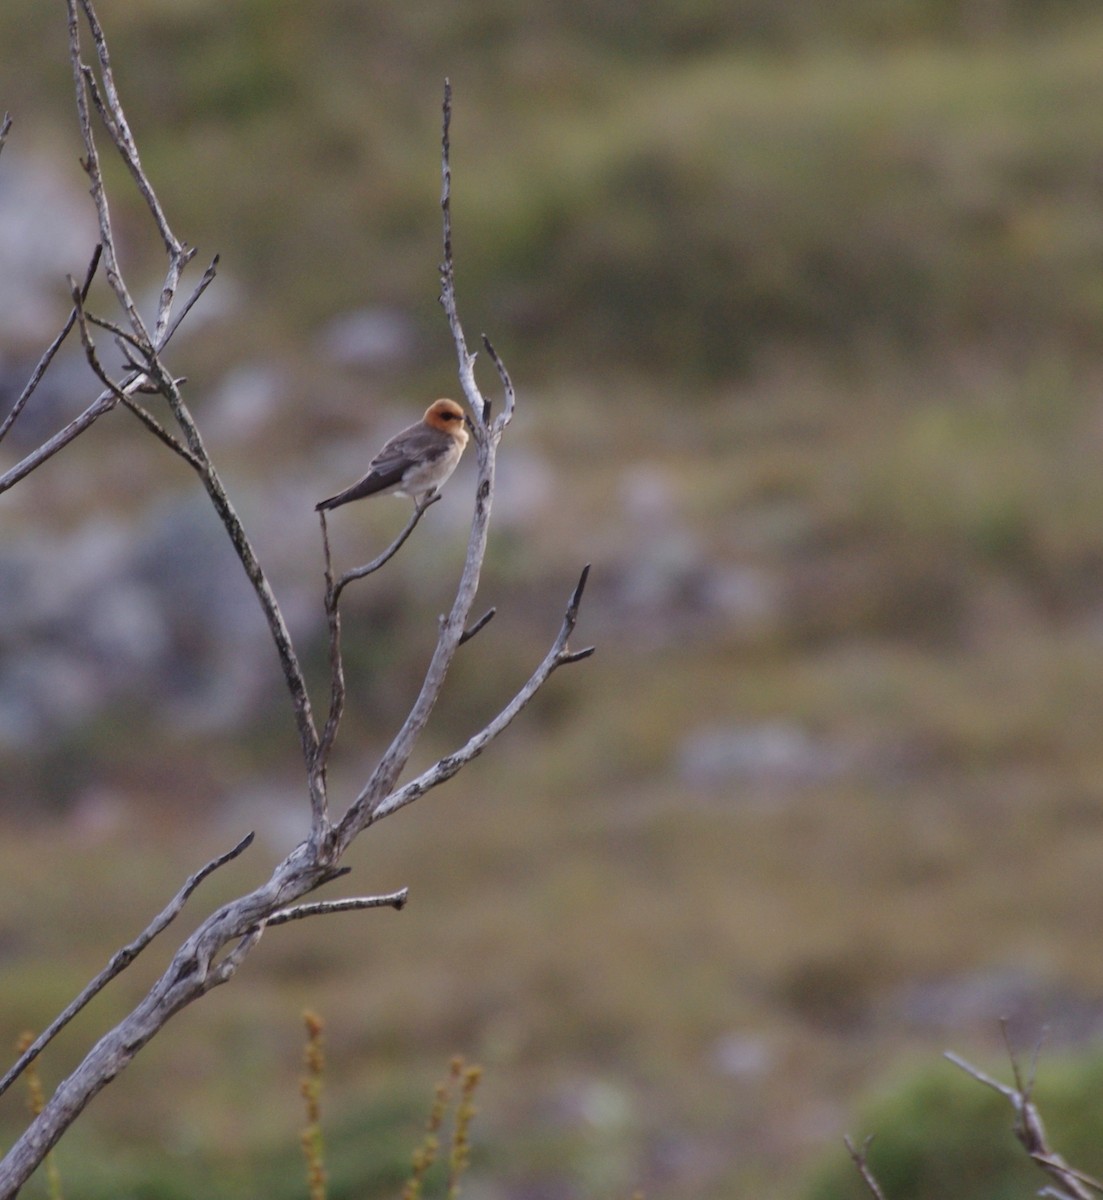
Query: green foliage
x=941, y=1135
x=665, y=188
x=366, y=1155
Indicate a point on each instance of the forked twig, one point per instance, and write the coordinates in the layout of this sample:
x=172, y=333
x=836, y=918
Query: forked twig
x=52, y=349
x=364, y=812
x=859, y=1156
x=1028, y=1127
x=148, y=420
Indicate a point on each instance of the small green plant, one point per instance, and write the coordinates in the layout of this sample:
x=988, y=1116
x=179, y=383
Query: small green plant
x=940, y=1134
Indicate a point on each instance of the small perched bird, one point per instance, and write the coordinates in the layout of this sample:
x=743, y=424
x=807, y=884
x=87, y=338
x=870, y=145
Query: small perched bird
x=415, y=462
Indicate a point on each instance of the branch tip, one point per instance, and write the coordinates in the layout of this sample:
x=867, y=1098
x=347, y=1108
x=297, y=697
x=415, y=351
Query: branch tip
x=580, y=587
x=480, y=624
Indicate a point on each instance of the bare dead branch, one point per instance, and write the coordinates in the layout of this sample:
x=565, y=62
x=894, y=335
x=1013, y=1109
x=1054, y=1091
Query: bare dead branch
x=194, y=970
x=120, y=131
x=48, y=355
x=336, y=666
x=479, y=406
x=81, y=77
x=103, y=403
x=507, y=383
x=221, y=942
x=189, y=304
x=148, y=420
x=859, y=1157
x=479, y=625
x=126, y=342
x=121, y=960
x=5, y=129
x=486, y=438
x=396, y=900
x=115, y=122
x=111, y=112
x=1030, y=1131
x=364, y=812
x=384, y=558
x=277, y=626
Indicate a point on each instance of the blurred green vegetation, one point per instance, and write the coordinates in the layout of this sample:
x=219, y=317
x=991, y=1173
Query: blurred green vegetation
x=688, y=190
x=944, y=1136
x=831, y=276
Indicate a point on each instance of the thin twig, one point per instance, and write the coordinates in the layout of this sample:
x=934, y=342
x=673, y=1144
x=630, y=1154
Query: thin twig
x=384, y=558
x=53, y=347
x=81, y=77
x=5, y=129
x=479, y=625
x=103, y=403
x=333, y=621
x=860, y=1159
x=111, y=111
x=148, y=419
x=120, y=130
x=120, y=960
x=507, y=383
x=479, y=405
x=363, y=812
x=262, y=588
x=128, y=340
x=200, y=288
x=396, y=900
x=336, y=663
x=1030, y=1130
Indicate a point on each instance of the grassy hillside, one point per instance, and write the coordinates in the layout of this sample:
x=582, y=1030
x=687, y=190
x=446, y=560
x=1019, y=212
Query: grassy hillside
x=804, y=309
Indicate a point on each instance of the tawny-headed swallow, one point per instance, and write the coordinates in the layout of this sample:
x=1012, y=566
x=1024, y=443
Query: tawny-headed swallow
x=415, y=462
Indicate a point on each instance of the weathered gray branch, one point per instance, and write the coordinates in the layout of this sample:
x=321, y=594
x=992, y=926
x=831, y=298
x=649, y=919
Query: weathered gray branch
x=334, y=588
x=380, y=560
x=486, y=436
x=214, y=951
x=363, y=813
x=52, y=349
x=120, y=960
x=113, y=115
x=109, y=107
x=148, y=420
x=396, y=900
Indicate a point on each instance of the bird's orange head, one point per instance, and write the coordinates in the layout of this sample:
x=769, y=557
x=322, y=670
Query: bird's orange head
x=447, y=416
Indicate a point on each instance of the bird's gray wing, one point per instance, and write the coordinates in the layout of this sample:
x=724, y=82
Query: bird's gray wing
x=386, y=470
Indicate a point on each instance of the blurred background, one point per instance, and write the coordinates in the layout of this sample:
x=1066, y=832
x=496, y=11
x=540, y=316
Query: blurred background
x=804, y=305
